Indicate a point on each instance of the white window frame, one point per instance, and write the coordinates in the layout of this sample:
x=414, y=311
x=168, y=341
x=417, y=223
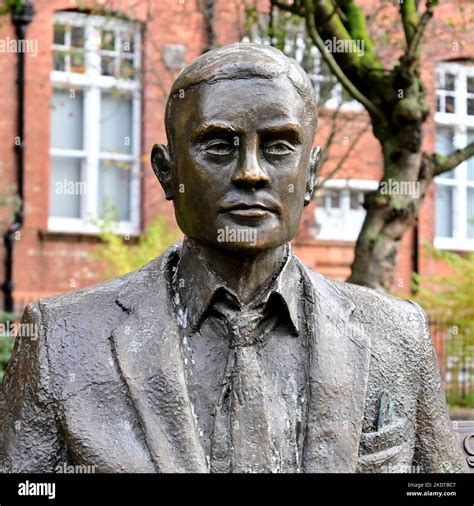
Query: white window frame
x=92, y=83
x=335, y=100
x=345, y=186
x=459, y=122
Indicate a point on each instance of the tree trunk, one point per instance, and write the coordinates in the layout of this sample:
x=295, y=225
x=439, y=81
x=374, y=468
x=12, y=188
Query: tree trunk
x=392, y=209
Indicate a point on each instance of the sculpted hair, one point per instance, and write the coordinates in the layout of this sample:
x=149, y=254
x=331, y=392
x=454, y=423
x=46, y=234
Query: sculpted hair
x=243, y=60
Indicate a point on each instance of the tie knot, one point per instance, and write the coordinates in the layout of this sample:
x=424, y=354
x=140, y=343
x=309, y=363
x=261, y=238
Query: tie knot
x=242, y=326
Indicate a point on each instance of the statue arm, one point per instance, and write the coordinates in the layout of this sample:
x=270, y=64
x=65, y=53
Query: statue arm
x=29, y=436
x=437, y=447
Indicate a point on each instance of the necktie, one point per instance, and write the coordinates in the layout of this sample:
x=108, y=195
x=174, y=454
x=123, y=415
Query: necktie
x=242, y=440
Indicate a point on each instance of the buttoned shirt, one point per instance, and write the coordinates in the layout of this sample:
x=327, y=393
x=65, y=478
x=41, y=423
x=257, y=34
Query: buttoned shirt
x=203, y=300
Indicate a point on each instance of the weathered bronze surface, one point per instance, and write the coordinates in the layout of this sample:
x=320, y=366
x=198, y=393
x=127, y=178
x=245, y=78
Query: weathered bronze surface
x=227, y=354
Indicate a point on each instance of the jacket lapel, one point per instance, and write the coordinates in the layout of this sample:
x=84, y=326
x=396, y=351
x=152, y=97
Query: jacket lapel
x=147, y=347
x=339, y=367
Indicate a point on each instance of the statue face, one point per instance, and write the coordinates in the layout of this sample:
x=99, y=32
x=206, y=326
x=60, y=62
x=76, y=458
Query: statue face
x=241, y=163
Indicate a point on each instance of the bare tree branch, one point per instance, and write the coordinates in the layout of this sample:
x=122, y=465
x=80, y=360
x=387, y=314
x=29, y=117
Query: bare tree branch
x=420, y=29
x=445, y=163
x=410, y=19
x=343, y=160
x=333, y=65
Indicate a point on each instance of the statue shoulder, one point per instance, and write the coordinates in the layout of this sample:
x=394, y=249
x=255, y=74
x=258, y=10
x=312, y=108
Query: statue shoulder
x=367, y=301
x=102, y=294
x=81, y=301
x=90, y=314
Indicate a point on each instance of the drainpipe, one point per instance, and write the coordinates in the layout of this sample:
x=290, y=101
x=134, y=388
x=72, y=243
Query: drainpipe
x=22, y=15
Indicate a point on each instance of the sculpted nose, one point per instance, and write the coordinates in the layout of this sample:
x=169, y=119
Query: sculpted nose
x=249, y=172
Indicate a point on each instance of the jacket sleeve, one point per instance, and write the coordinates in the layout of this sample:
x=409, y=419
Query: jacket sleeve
x=437, y=446
x=29, y=438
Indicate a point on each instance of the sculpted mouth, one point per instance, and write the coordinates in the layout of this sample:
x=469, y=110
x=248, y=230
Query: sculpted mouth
x=248, y=210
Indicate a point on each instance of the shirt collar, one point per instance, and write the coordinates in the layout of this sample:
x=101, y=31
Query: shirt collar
x=197, y=285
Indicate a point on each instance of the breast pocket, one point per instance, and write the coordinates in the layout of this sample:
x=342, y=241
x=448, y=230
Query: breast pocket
x=389, y=449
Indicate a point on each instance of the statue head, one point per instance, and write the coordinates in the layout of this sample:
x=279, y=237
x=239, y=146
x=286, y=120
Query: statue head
x=239, y=165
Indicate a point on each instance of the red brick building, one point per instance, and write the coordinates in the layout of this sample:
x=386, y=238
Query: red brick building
x=96, y=85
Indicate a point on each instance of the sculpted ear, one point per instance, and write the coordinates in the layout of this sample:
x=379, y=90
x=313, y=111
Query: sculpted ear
x=161, y=163
x=312, y=174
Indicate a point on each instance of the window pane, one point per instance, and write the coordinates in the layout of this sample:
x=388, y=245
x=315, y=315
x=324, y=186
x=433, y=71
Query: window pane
x=356, y=200
x=108, y=40
x=77, y=63
x=67, y=119
x=114, y=188
x=65, y=188
x=444, y=146
x=449, y=80
x=335, y=199
x=444, y=211
x=77, y=36
x=470, y=84
x=470, y=162
x=59, y=60
x=470, y=106
x=59, y=34
x=470, y=213
x=127, y=43
x=449, y=101
x=444, y=140
x=108, y=65
x=115, y=123
x=126, y=68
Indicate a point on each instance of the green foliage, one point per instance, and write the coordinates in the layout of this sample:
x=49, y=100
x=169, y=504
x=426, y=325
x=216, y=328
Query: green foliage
x=449, y=299
x=120, y=256
x=457, y=399
x=6, y=342
x=11, y=204
x=9, y=6
x=357, y=27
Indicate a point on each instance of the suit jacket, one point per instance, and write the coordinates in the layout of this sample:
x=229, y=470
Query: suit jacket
x=103, y=384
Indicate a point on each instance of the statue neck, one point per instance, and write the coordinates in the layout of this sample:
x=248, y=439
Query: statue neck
x=243, y=274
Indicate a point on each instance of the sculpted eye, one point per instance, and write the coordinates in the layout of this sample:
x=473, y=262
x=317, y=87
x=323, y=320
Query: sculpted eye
x=219, y=148
x=278, y=148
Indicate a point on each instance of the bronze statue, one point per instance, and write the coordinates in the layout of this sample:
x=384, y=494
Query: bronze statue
x=226, y=353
